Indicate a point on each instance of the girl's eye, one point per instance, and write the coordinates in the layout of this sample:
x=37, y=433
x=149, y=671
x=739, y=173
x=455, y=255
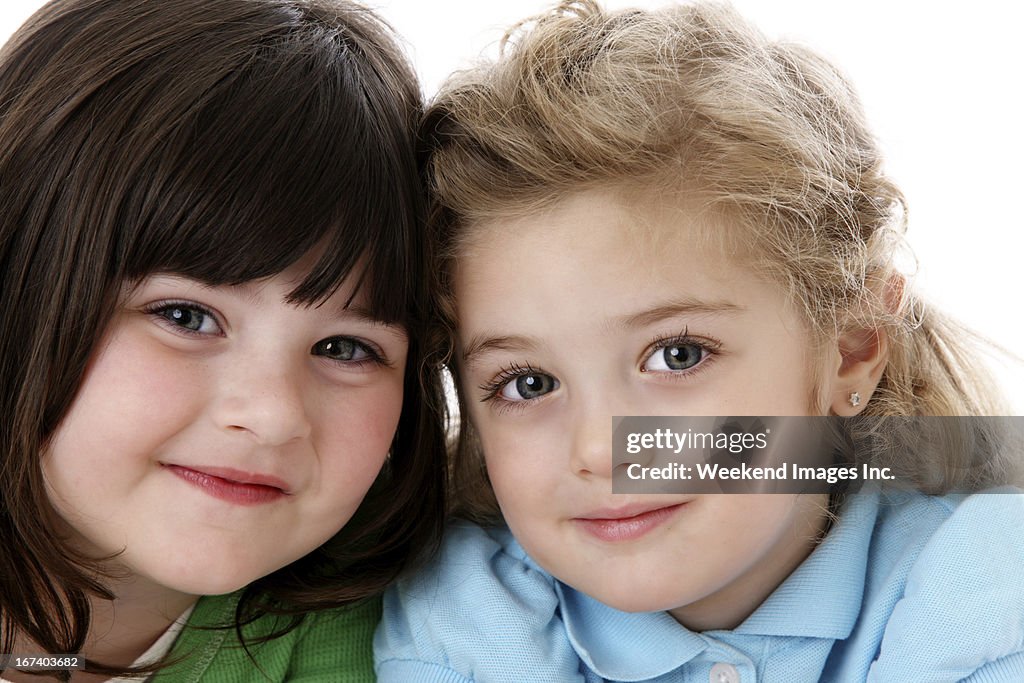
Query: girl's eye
x=526, y=387
x=675, y=357
x=189, y=317
x=343, y=349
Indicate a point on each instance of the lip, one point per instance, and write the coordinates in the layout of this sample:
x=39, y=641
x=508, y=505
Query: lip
x=231, y=485
x=626, y=523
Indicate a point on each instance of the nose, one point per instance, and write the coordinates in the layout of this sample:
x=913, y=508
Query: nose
x=264, y=399
x=591, y=448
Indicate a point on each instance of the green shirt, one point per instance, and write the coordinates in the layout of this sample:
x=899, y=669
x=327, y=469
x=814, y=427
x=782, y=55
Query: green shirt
x=332, y=645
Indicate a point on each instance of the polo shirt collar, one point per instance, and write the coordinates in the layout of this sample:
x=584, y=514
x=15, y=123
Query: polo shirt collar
x=821, y=599
x=625, y=646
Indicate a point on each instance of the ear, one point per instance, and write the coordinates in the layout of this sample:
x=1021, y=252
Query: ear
x=863, y=354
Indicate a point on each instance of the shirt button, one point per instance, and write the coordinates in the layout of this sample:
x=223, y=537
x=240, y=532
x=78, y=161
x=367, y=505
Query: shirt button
x=724, y=673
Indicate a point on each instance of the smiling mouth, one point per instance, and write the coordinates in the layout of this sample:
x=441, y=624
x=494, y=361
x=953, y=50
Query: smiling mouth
x=627, y=527
x=232, y=486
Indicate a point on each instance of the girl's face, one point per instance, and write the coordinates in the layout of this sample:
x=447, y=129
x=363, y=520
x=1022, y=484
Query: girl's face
x=221, y=433
x=602, y=307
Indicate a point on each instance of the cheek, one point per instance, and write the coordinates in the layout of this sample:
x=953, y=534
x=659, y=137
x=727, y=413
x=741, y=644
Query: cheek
x=531, y=494
x=526, y=482
x=134, y=389
x=749, y=526
x=134, y=372
x=356, y=435
x=132, y=397
x=383, y=408
x=526, y=457
x=763, y=382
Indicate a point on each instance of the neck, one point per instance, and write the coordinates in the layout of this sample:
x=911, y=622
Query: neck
x=730, y=606
x=122, y=629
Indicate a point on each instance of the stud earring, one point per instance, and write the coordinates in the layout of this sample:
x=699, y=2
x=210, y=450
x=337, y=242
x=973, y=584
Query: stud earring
x=855, y=399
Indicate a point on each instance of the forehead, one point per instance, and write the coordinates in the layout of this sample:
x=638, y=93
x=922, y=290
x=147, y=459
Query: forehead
x=600, y=264
x=646, y=218
x=600, y=239
x=350, y=300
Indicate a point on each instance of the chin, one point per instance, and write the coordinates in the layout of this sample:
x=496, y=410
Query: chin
x=640, y=605
x=202, y=583
x=206, y=586
x=208, y=578
x=628, y=599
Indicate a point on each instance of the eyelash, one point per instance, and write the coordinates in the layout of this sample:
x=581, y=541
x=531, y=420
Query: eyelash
x=157, y=310
x=373, y=355
x=510, y=373
x=709, y=345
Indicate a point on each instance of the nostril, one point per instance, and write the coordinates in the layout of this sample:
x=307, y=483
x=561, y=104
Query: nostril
x=273, y=414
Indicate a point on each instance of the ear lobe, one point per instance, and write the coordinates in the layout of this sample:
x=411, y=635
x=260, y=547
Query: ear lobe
x=863, y=355
x=864, y=351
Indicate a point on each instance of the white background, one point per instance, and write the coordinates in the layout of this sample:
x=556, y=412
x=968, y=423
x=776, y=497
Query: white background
x=941, y=83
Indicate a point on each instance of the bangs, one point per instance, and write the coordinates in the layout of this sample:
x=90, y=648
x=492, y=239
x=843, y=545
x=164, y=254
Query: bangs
x=291, y=151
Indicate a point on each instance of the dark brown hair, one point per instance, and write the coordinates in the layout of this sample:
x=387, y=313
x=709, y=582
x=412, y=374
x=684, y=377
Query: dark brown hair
x=221, y=140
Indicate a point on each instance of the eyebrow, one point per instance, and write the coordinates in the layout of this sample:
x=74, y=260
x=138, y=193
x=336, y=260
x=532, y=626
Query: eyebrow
x=364, y=315
x=676, y=308
x=358, y=314
x=482, y=343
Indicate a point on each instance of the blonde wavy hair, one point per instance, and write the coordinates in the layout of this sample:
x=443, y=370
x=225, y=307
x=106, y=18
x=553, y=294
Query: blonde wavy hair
x=693, y=96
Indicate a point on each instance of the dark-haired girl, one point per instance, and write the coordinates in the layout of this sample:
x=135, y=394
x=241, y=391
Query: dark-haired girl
x=209, y=269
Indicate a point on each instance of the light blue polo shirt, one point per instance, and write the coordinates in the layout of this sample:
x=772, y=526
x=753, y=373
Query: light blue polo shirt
x=905, y=587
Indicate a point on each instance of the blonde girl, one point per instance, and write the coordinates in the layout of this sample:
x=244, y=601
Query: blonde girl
x=665, y=213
